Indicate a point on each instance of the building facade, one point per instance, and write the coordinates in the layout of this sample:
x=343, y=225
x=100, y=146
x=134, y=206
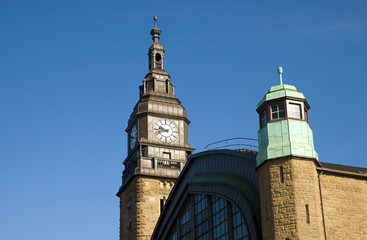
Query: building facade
x=282, y=191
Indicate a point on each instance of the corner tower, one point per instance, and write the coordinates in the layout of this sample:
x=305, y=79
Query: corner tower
x=286, y=163
x=157, y=148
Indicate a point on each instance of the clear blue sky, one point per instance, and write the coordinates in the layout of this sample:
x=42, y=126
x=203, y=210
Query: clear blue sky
x=70, y=72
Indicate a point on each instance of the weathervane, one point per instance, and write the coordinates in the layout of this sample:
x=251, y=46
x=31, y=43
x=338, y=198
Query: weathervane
x=280, y=71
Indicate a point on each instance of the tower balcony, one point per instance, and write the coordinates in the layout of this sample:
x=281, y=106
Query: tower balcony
x=161, y=167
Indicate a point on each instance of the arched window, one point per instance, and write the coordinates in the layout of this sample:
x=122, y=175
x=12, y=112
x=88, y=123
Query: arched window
x=209, y=217
x=158, y=61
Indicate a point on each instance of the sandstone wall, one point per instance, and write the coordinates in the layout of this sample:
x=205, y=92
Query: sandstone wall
x=345, y=206
x=307, y=199
x=290, y=202
x=143, y=194
x=277, y=200
x=292, y=209
x=128, y=203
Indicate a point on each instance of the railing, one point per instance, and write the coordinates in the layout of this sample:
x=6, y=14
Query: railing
x=168, y=164
x=235, y=144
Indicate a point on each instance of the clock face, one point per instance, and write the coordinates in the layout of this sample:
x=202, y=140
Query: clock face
x=133, y=137
x=165, y=130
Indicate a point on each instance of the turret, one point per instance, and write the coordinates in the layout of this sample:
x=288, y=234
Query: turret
x=284, y=124
x=286, y=164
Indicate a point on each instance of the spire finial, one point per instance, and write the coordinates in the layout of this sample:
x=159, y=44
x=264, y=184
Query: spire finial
x=280, y=71
x=155, y=32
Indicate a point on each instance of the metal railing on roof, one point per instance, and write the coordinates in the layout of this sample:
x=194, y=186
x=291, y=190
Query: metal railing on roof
x=235, y=144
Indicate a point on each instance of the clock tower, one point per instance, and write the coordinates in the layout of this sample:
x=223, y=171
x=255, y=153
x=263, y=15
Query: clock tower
x=158, y=148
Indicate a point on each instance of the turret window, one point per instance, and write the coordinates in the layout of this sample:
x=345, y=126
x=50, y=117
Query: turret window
x=283, y=109
x=294, y=110
x=264, y=117
x=306, y=115
x=277, y=111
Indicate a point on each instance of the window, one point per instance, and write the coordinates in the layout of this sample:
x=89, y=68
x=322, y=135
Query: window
x=171, y=89
x=264, y=117
x=220, y=225
x=167, y=87
x=167, y=155
x=158, y=63
x=144, y=151
x=281, y=174
x=185, y=223
x=277, y=111
x=294, y=110
x=306, y=115
x=173, y=236
x=207, y=217
x=162, y=202
x=307, y=214
x=239, y=226
x=201, y=216
x=141, y=90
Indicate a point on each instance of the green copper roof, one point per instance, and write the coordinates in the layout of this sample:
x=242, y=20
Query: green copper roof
x=281, y=91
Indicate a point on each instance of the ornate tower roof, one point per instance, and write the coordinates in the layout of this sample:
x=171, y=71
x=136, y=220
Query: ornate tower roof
x=155, y=32
x=156, y=50
x=281, y=90
x=284, y=128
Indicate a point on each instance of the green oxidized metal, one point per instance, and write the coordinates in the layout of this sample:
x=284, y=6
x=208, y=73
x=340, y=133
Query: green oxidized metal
x=281, y=91
x=288, y=137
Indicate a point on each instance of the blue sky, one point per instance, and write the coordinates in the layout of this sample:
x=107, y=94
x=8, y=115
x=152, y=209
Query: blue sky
x=69, y=77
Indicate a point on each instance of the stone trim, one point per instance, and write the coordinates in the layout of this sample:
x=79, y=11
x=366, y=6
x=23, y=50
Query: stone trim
x=340, y=172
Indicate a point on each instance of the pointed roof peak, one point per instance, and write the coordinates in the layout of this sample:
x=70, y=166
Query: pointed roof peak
x=280, y=71
x=155, y=32
x=281, y=90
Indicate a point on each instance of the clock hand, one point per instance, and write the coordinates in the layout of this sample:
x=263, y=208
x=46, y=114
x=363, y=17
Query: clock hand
x=162, y=129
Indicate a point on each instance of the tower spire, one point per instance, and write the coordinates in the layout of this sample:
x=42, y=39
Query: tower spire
x=158, y=148
x=156, y=51
x=155, y=32
x=280, y=71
